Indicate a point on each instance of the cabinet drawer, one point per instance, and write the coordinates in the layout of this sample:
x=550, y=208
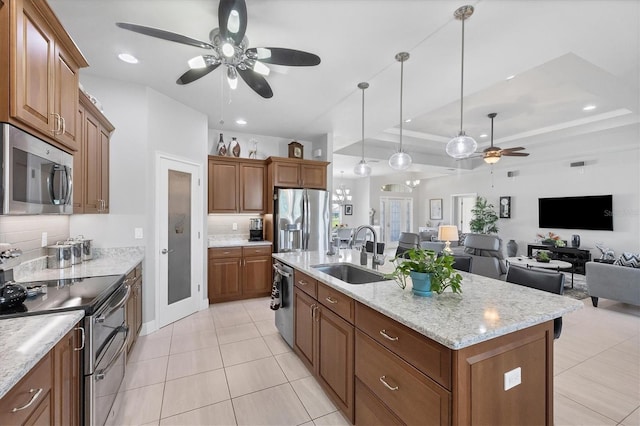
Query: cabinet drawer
x=370, y=410
x=411, y=395
x=305, y=283
x=432, y=358
x=256, y=251
x=224, y=252
x=336, y=301
x=39, y=378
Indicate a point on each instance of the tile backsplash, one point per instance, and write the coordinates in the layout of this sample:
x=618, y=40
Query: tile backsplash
x=25, y=232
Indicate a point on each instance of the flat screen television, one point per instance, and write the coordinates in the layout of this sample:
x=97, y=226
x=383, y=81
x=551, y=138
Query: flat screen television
x=591, y=212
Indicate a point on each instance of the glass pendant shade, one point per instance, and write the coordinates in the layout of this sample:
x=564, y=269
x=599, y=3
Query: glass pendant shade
x=400, y=161
x=461, y=146
x=362, y=169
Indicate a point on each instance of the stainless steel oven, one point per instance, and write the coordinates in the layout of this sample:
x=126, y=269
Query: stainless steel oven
x=104, y=356
x=36, y=176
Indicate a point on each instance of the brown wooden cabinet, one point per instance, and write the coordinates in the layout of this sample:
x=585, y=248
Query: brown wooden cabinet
x=295, y=173
x=133, y=308
x=91, y=162
x=324, y=339
x=40, y=73
x=67, y=376
x=239, y=273
x=236, y=185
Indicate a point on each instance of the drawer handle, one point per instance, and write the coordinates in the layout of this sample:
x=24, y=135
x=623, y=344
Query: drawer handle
x=226, y=252
x=83, y=339
x=331, y=300
x=386, y=336
x=384, y=382
x=302, y=282
x=33, y=399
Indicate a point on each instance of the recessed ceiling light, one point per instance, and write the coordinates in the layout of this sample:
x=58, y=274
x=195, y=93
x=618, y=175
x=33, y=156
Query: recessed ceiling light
x=126, y=57
x=589, y=108
x=484, y=135
x=408, y=120
x=511, y=77
x=241, y=121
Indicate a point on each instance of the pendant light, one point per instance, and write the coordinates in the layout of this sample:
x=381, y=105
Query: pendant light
x=362, y=168
x=462, y=146
x=400, y=160
x=492, y=154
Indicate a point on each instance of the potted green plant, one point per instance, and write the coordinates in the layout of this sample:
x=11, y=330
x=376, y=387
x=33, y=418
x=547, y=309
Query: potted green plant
x=543, y=256
x=484, y=217
x=428, y=271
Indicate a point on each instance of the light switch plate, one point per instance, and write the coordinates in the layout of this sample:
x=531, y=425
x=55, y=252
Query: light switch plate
x=512, y=378
x=234, y=226
x=43, y=241
x=137, y=233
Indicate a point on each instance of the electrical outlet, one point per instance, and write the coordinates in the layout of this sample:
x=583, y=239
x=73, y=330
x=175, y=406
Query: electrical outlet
x=234, y=226
x=512, y=378
x=137, y=233
x=43, y=241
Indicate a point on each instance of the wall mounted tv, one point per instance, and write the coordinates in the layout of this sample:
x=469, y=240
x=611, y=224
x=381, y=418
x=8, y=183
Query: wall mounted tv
x=590, y=212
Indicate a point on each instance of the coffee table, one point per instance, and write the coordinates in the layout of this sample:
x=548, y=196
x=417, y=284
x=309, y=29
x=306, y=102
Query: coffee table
x=558, y=265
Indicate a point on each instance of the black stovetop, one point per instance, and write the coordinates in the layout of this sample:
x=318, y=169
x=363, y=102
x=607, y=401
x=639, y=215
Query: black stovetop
x=66, y=295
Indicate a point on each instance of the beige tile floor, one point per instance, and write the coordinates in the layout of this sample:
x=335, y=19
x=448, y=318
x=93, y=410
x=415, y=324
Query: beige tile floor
x=228, y=365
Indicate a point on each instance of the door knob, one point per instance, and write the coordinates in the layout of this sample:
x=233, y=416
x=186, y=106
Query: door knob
x=165, y=251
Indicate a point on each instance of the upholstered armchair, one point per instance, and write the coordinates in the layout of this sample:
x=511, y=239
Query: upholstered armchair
x=486, y=251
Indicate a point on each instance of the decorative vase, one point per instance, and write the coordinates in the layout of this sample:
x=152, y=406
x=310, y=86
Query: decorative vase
x=221, y=148
x=575, y=241
x=234, y=148
x=421, y=283
x=512, y=248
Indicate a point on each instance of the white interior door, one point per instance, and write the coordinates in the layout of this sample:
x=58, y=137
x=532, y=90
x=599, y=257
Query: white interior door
x=461, y=211
x=179, y=251
x=396, y=216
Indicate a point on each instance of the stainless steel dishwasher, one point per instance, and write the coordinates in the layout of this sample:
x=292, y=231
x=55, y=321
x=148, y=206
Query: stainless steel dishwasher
x=284, y=315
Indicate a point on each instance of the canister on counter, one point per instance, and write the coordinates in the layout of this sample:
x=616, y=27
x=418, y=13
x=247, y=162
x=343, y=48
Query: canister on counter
x=76, y=251
x=87, y=247
x=59, y=256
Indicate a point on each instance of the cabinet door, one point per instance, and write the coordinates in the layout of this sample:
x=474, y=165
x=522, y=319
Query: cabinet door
x=313, y=176
x=92, y=173
x=33, y=97
x=223, y=184
x=335, y=361
x=257, y=276
x=104, y=170
x=286, y=175
x=305, y=339
x=224, y=279
x=66, y=98
x=66, y=379
x=78, y=166
x=252, y=182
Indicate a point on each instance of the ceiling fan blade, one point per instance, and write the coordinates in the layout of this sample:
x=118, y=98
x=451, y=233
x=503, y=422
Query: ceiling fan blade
x=515, y=154
x=518, y=148
x=282, y=56
x=232, y=19
x=196, y=73
x=257, y=82
x=164, y=35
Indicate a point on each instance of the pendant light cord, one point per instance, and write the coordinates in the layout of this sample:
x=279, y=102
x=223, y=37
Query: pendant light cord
x=363, y=124
x=401, y=82
x=462, y=76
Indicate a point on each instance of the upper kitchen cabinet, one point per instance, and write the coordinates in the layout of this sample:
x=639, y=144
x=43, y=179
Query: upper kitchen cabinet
x=295, y=173
x=39, y=75
x=236, y=185
x=91, y=161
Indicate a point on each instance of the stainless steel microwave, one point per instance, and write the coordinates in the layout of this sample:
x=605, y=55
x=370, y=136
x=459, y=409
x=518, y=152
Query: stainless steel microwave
x=36, y=176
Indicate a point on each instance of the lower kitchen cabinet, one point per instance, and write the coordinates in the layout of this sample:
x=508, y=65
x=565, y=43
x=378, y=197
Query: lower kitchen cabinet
x=49, y=394
x=239, y=273
x=133, y=309
x=324, y=340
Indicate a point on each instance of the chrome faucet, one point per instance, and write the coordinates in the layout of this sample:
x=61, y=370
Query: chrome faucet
x=376, y=259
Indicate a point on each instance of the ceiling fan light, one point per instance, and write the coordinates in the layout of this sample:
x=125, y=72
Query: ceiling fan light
x=400, y=161
x=491, y=159
x=197, y=62
x=233, y=23
x=462, y=146
x=263, y=53
x=362, y=169
x=261, y=68
x=232, y=77
x=228, y=50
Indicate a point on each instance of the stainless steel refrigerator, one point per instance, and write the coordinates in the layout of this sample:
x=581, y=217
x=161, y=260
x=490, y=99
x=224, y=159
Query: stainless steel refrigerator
x=302, y=221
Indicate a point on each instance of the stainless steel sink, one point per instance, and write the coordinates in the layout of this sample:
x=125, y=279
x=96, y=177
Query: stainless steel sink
x=350, y=274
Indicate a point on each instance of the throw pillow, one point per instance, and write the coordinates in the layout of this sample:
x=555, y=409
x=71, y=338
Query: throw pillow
x=631, y=260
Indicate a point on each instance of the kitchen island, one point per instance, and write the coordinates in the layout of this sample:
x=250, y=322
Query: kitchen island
x=489, y=349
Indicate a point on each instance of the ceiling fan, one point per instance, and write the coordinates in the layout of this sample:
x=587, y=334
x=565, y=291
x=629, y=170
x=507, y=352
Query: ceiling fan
x=229, y=47
x=492, y=154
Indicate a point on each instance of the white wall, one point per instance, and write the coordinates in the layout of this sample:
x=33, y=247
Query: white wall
x=146, y=123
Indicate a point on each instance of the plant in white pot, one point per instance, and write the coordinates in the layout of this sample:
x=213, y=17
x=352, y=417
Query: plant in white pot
x=428, y=271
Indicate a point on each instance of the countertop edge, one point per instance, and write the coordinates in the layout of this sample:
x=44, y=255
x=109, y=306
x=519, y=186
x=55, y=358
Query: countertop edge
x=46, y=330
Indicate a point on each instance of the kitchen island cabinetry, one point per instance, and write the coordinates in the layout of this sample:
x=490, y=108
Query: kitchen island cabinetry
x=133, y=308
x=39, y=79
x=236, y=185
x=67, y=376
x=239, y=272
x=324, y=339
x=91, y=162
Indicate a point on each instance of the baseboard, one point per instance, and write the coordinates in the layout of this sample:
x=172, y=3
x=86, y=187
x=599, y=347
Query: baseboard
x=148, y=327
x=204, y=304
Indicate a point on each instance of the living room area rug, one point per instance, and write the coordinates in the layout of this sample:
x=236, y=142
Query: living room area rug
x=579, y=290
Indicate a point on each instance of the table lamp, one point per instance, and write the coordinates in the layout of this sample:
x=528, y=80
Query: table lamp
x=448, y=233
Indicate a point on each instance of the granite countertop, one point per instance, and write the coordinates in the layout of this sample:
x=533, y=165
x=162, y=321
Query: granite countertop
x=24, y=341
x=486, y=309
